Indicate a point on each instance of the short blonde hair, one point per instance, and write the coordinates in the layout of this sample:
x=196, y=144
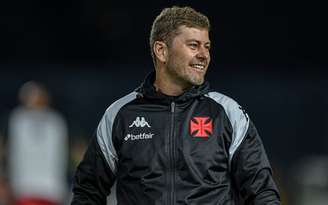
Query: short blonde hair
x=166, y=24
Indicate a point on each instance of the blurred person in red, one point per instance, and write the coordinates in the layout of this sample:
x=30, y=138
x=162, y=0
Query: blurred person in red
x=38, y=149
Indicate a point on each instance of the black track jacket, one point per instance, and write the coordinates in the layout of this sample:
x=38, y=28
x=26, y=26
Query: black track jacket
x=199, y=148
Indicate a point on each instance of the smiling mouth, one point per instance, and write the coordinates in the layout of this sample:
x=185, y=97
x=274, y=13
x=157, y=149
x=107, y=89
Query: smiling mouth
x=198, y=67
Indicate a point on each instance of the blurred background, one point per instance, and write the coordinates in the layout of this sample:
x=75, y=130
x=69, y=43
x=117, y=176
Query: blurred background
x=270, y=56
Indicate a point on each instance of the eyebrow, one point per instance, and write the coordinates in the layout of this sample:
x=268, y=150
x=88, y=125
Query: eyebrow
x=190, y=40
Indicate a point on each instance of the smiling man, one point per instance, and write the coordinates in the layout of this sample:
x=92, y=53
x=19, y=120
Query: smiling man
x=173, y=140
x=182, y=62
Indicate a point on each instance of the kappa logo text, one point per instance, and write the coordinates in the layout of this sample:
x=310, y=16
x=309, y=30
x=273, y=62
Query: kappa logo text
x=139, y=122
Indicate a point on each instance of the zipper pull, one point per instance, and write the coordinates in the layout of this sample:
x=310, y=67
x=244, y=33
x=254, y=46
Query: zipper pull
x=172, y=106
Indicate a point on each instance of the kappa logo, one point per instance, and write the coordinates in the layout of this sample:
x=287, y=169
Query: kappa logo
x=139, y=122
x=201, y=126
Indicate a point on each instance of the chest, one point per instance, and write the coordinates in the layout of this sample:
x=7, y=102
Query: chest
x=196, y=133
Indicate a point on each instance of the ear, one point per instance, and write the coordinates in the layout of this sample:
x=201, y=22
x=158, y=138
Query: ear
x=160, y=51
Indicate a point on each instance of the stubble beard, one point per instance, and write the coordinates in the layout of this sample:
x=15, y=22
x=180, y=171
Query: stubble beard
x=184, y=76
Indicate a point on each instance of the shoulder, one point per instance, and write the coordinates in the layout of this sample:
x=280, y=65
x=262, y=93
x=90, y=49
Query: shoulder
x=233, y=110
x=237, y=116
x=221, y=98
x=230, y=105
x=105, y=126
x=56, y=118
x=16, y=113
x=116, y=106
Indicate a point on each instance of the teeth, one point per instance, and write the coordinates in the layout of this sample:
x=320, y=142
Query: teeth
x=198, y=66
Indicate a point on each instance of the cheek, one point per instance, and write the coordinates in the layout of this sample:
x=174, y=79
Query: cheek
x=183, y=53
x=181, y=58
x=176, y=58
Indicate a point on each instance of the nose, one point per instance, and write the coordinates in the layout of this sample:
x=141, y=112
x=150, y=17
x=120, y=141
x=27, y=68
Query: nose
x=203, y=53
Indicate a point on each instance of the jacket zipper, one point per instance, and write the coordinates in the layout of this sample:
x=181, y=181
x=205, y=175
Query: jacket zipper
x=172, y=157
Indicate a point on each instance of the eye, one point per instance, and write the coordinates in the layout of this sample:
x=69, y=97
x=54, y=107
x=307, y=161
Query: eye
x=193, y=45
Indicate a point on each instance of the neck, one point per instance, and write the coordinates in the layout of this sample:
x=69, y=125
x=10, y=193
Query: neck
x=168, y=86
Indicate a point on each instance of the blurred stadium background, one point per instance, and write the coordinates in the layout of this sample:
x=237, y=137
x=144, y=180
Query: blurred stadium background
x=270, y=56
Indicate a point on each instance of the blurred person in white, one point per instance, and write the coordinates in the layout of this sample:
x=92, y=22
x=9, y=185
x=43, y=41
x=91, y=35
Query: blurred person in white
x=38, y=149
x=310, y=180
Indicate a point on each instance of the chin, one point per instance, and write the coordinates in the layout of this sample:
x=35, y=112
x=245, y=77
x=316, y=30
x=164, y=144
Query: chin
x=197, y=82
x=193, y=80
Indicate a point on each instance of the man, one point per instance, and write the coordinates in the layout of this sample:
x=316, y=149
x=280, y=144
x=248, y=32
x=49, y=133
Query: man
x=172, y=140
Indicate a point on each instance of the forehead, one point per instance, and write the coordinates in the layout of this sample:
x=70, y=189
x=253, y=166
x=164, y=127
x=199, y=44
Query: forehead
x=192, y=33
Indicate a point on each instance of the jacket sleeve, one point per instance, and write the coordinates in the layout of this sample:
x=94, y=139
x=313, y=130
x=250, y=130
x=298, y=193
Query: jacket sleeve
x=95, y=175
x=93, y=178
x=252, y=173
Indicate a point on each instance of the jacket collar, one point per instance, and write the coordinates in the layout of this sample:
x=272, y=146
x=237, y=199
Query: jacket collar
x=147, y=89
